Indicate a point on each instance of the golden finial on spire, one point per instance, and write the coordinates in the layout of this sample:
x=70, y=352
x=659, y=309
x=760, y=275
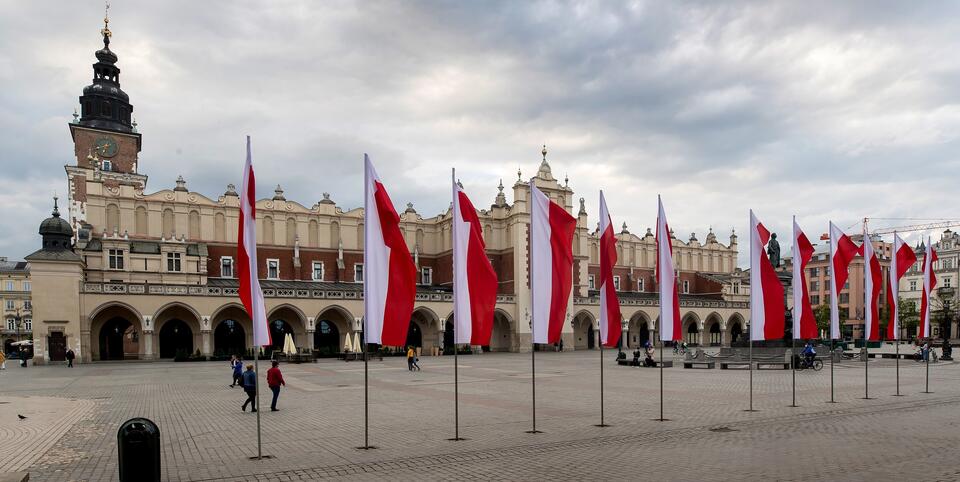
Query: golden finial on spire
x=105, y=31
x=544, y=152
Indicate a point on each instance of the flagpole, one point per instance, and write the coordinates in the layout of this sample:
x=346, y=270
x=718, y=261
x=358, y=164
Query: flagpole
x=897, y=345
x=533, y=385
x=456, y=395
x=832, y=400
x=366, y=396
x=751, y=372
x=256, y=388
x=793, y=366
x=866, y=365
x=602, y=424
x=661, y=419
x=927, y=390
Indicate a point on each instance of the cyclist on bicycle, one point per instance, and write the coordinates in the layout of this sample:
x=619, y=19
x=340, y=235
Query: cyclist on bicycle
x=809, y=354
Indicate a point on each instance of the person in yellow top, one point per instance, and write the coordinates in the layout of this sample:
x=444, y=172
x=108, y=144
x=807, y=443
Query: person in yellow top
x=410, y=355
x=3, y=361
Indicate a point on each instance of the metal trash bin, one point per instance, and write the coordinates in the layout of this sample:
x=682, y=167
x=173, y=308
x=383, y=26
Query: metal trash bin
x=138, y=450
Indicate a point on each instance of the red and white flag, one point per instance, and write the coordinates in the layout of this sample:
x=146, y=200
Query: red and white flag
x=929, y=283
x=389, y=275
x=250, y=293
x=804, y=323
x=667, y=280
x=872, y=281
x=766, y=292
x=474, y=281
x=903, y=258
x=551, y=265
x=842, y=252
x=610, y=315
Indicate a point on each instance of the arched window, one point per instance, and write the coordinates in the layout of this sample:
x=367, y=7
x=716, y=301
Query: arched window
x=140, y=221
x=313, y=234
x=267, y=230
x=168, y=223
x=193, y=225
x=335, y=234
x=219, y=227
x=113, y=218
x=291, y=231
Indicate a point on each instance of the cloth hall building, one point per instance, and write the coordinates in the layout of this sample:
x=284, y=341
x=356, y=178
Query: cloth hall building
x=124, y=272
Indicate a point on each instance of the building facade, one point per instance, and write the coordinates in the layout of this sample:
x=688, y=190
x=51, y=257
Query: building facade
x=15, y=288
x=133, y=274
x=943, y=303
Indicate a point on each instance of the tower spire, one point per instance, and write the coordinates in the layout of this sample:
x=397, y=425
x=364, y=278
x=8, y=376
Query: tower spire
x=103, y=104
x=105, y=31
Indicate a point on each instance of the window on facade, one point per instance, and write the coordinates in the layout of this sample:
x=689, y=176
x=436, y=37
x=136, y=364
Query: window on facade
x=844, y=298
x=26, y=286
x=426, y=275
x=814, y=286
x=616, y=283
x=28, y=324
x=115, y=258
x=591, y=283
x=11, y=305
x=815, y=300
x=640, y=285
x=173, y=262
x=107, y=165
x=846, y=285
x=27, y=305
x=358, y=273
x=913, y=286
x=226, y=267
x=273, y=269
x=947, y=282
x=318, y=271
x=9, y=285
x=814, y=272
x=736, y=288
x=11, y=325
x=686, y=287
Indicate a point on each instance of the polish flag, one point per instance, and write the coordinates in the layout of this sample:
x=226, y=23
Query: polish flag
x=804, y=324
x=903, y=258
x=250, y=293
x=389, y=275
x=842, y=251
x=474, y=281
x=609, y=304
x=667, y=280
x=551, y=265
x=872, y=281
x=929, y=283
x=766, y=292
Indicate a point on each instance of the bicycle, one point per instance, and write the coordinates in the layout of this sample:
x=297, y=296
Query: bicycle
x=816, y=364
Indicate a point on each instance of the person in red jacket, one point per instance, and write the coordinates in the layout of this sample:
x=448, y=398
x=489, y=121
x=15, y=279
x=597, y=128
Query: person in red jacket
x=274, y=380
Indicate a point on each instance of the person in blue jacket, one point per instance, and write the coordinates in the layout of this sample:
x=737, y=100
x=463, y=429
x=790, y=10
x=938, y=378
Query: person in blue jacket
x=250, y=386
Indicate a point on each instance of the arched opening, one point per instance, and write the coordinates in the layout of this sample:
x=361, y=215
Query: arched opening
x=583, y=334
x=8, y=345
x=644, y=335
x=448, y=337
x=117, y=340
x=690, y=337
x=414, y=335
x=278, y=333
x=501, y=337
x=716, y=336
x=736, y=332
x=326, y=339
x=229, y=338
x=176, y=339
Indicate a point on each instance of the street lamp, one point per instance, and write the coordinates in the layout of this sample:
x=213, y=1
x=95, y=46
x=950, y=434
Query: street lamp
x=18, y=320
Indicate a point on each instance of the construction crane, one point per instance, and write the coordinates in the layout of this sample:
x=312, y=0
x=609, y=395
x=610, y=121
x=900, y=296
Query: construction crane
x=928, y=226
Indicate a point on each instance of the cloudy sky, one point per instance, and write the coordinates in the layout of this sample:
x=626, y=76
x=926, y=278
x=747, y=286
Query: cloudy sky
x=821, y=110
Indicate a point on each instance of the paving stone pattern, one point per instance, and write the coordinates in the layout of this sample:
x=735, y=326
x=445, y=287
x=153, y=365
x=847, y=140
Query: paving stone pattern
x=73, y=416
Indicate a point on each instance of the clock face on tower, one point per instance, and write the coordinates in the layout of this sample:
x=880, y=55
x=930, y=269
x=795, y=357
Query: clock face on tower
x=106, y=146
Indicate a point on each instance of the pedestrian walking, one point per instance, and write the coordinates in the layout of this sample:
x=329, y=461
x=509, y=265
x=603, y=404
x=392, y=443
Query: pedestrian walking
x=23, y=357
x=274, y=380
x=3, y=361
x=70, y=356
x=250, y=387
x=410, y=354
x=416, y=364
x=236, y=365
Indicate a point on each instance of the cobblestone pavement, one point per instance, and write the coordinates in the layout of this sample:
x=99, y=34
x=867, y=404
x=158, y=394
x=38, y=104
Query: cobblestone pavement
x=73, y=416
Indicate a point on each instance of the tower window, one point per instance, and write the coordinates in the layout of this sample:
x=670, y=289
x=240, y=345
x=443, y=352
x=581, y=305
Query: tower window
x=273, y=269
x=318, y=271
x=107, y=165
x=115, y=258
x=173, y=262
x=226, y=267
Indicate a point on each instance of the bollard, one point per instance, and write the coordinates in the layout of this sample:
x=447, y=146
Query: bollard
x=138, y=450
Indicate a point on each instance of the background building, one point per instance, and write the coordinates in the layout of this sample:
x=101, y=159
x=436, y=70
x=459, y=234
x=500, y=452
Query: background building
x=133, y=274
x=943, y=321
x=16, y=302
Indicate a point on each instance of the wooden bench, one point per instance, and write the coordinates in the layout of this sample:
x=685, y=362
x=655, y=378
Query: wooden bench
x=666, y=364
x=699, y=364
x=740, y=365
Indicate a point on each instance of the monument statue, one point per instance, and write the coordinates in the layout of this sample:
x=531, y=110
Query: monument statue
x=773, y=251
